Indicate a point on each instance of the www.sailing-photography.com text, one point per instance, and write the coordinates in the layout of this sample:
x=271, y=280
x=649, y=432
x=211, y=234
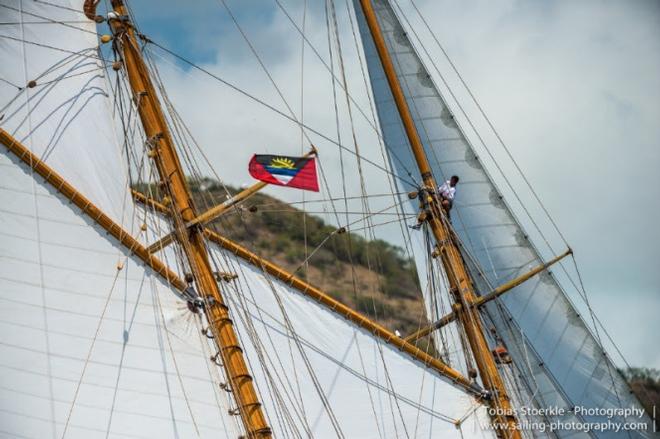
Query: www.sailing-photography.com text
x=584, y=419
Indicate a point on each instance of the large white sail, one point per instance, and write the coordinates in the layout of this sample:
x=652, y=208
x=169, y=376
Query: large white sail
x=95, y=344
x=75, y=328
x=371, y=389
x=65, y=117
x=115, y=353
x=118, y=343
x=561, y=362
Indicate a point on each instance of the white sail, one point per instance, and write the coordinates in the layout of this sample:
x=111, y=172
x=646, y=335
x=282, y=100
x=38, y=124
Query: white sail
x=95, y=344
x=114, y=353
x=66, y=117
x=371, y=389
x=75, y=328
x=118, y=343
x=559, y=360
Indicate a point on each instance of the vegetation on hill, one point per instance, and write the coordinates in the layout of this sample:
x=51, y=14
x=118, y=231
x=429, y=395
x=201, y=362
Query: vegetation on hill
x=373, y=277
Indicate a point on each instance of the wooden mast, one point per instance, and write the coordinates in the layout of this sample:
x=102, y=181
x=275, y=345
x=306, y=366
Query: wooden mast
x=461, y=285
x=191, y=239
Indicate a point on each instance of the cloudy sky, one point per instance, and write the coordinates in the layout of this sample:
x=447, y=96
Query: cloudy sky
x=573, y=88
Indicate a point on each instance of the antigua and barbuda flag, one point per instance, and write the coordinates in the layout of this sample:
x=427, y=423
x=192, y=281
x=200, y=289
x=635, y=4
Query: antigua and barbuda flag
x=298, y=172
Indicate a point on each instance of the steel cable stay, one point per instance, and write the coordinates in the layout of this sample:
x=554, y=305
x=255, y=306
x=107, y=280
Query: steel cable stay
x=334, y=82
x=274, y=380
x=282, y=329
x=236, y=266
x=236, y=88
x=321, y=212
x=354, y=283
x=370, y=122
x=405, y=233
x=292, y=332
x=348, y=242
x=365, y=203
x=394, y=193
x=467, y=352
x=302, y=119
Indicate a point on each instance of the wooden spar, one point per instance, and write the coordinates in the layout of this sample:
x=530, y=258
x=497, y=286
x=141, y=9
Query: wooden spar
x=461, y=285
x=182, y=211
x=423, y=332
x=482, y=300
x=214, y=212
x=345, y=311
x=149, y=202
x=333, y=305
x=207, y=216
x=218, y=210
x=90, y=209
x=497, y=292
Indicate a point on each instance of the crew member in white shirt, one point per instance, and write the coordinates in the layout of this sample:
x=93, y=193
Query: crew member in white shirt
x=447, y=192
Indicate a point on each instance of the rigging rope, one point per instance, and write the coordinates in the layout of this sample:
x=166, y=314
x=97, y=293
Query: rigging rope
x=410, y=183
x=370, y=122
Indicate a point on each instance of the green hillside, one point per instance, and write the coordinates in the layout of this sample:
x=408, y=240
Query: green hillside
x=373, y=277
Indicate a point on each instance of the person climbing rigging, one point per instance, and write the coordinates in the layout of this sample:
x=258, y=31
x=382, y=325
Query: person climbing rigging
x=447, y=194
x=448, y=191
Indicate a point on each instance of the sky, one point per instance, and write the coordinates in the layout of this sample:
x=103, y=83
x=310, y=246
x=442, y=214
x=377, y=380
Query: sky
x=572, y=87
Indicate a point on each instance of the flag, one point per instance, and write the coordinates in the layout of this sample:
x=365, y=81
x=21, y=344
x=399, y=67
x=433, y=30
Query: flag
x=297, y=172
